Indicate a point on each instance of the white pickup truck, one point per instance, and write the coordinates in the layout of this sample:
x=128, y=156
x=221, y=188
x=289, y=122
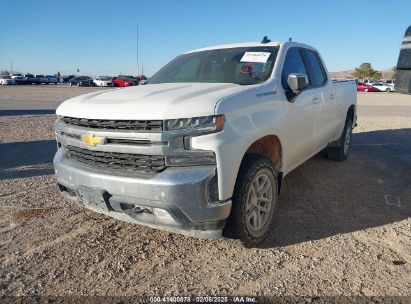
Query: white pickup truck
x=203, y=147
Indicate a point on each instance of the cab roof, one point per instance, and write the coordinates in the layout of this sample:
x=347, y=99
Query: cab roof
x=253, y=44
x=235, y=45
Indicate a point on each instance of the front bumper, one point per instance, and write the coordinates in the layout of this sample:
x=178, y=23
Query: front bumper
x=176, y=199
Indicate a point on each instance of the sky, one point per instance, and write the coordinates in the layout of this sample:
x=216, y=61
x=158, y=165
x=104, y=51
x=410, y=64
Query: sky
x=99, y=37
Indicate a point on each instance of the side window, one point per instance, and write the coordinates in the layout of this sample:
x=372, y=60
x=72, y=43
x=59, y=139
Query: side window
x=317, y=73
x=293, y=63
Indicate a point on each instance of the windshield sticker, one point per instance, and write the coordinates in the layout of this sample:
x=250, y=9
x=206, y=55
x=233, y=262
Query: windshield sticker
x=254, y=70
x=247, y=68
x=261, y=57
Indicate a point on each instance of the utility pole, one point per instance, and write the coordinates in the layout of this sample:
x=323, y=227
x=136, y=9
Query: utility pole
x=138, y=67
x=11, y=66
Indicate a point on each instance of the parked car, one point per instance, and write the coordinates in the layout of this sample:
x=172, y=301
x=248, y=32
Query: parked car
x=20, y=80
x=204, y=148
x=66, y=78
x=42, y=79
x=52, y=79
x=382, y=87
x=370, y=82
x=132, y=81
x=103, y=81
x=6, y=80
x=142, y=78
x=362, y=87
x=15, y=75
x=125, y=81
x=391, y=84
x=81, y=81
x=31, y=79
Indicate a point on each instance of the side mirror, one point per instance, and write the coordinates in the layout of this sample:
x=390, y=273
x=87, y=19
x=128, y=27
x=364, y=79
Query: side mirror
x=297, y=82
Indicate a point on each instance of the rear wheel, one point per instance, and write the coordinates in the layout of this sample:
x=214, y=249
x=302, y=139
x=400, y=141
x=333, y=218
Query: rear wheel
x=388, y=90
x=254, y=200
x=340, y=152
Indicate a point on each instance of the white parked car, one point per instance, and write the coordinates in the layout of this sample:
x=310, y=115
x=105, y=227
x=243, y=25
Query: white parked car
x=6, y=80
x=16, y=75
x=371, y=82
x=383, y=87
x=204, y=146
x=103, y=81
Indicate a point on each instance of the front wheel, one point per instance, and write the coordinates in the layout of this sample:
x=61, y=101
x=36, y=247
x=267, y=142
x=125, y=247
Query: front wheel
x=388, y=90
x=340, y=152
x=254, y=200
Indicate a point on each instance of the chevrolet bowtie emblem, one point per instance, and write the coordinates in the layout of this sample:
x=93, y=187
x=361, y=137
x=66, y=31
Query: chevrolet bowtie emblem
x=91, y=140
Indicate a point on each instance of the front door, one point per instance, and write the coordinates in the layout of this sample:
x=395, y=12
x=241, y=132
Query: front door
x=301, y=110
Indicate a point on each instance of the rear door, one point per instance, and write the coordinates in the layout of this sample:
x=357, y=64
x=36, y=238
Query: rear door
x=326, y=117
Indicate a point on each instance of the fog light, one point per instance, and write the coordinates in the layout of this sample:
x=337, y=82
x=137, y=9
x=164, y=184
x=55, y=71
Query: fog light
x=163, y=216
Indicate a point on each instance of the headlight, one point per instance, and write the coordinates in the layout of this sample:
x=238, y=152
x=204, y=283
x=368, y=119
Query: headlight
x=195, y=159
x=213, y=123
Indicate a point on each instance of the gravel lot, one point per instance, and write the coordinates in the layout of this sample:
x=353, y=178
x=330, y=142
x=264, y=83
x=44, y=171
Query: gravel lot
x=342, y=228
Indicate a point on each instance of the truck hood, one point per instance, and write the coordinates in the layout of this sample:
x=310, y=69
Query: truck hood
x=152, y=101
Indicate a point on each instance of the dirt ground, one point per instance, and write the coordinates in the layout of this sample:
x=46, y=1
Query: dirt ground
x=341, y=228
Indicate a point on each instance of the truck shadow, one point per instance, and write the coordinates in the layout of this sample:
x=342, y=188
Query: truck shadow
x=323, y=198
x=26, y=159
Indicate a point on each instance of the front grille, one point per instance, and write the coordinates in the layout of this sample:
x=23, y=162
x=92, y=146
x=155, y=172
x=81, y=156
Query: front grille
x=118, y=161
x=137, y=125
x=123, y=141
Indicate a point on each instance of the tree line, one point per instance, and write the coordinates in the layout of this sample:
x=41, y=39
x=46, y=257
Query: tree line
x=365, y=71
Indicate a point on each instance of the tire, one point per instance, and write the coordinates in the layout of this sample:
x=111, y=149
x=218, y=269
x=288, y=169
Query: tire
x=340, y=152
x=388, y=90
x=251, y=218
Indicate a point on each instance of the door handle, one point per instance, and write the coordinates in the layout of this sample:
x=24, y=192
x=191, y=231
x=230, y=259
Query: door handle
x=315, y=100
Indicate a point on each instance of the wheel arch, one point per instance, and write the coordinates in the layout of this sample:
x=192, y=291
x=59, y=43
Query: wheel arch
x=270, y=147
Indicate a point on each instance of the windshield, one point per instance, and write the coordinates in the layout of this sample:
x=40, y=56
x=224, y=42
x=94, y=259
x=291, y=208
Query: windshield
x=104, y=78
x=243, y=65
